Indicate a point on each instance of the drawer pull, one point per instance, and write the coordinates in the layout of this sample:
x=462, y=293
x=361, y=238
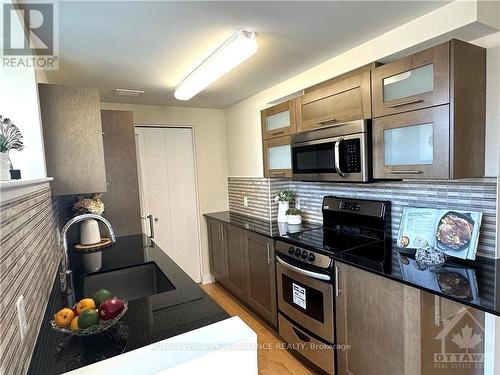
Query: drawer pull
x=414, y=101
x=277, y=133
x=278, y=173
x=301, y=335
x=324, y=122
x=408, y=171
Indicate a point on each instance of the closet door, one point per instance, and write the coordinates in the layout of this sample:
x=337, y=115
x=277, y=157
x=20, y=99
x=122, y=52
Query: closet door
x=169, y=193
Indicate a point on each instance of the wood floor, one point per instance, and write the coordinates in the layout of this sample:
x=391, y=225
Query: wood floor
x=272, y=360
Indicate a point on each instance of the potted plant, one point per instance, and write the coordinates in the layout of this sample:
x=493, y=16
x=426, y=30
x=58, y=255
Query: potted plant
x=10, y=139
x=294, y=216
x=284, y=198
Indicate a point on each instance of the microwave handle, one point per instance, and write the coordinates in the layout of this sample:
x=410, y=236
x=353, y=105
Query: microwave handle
x=337, y=157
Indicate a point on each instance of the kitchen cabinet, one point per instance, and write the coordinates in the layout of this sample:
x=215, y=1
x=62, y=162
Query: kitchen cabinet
x=417, y=81
x=236, y=262
x=261, y=279
x=434, y=104
x=243, y=263
x=277, y=156
x=217, y=250
x=379, y=319
x=72, y=134
x=121, y=173
x=412, y=145
x=448, y=327
x=279, y=119
x=343, y=98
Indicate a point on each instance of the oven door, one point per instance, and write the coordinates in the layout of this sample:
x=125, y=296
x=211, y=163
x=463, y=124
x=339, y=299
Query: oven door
x=343, y=158
x=306, y=297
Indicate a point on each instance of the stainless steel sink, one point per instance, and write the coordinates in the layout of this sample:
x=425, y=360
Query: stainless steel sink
x=131, y=283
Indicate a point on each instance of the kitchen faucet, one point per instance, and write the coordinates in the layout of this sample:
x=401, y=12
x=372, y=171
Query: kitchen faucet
x=65, y=275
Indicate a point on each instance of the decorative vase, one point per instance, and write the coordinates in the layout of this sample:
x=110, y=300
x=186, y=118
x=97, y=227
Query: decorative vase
x=282, y=209
x=294, y=219
x=89, y=232
x=4, y=166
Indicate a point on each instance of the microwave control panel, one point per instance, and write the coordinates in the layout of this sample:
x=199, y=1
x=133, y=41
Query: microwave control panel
x=351, y=153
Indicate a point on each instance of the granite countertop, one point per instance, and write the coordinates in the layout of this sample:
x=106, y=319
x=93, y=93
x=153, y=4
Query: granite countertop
x=147, y=320
x=473, y=283
x=264, y=227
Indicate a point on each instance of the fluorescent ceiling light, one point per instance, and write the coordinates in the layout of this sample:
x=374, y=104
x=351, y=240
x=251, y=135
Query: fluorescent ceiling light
x=231, y=53
x=128, y=92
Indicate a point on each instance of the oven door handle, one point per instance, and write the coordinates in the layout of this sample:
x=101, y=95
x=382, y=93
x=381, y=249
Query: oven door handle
x=314, y=275
x=337, y=157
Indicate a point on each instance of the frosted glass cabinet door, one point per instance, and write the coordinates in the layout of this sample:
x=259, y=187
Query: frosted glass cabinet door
x=277, y=157
x=279, y=120
x=417, y=81
x=412, y=145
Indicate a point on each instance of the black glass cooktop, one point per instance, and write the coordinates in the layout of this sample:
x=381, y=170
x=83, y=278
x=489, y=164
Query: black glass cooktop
x=329, y=240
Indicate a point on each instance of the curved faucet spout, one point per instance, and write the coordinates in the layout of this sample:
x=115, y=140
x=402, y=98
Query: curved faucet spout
x=65, y=275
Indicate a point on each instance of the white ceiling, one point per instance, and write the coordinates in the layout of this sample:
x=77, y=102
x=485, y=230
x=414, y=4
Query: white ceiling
x=152, y=46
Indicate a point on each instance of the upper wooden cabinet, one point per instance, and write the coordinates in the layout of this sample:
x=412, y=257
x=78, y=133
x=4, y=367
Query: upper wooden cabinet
x=277, y=157
x=429, y=111
x=417, y=81
x=279, y=120
x=72, y=134
x=343, y=98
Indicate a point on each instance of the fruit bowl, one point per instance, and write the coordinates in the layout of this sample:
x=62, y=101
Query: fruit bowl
x=98, y=328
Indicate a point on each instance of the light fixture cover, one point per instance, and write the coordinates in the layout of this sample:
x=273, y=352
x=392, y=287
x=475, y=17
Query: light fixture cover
x=129, y=92
x=239, y=47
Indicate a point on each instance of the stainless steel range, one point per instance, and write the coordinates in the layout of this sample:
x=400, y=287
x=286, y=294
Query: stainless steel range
x=306, y=272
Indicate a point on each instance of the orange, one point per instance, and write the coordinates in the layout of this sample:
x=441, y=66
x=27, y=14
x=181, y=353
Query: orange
x=63, y=317
x=74, y=324
x=85, y=304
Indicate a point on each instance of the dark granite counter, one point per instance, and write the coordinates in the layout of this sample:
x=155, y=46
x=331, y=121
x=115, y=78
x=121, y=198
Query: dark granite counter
x=265, y=227
x=147, y=320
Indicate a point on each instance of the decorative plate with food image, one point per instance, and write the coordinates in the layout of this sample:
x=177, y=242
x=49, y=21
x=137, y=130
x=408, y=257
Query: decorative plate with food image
x=454, y=231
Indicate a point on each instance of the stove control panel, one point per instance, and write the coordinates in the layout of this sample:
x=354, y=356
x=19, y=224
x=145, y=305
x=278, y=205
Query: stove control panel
x=303, y=255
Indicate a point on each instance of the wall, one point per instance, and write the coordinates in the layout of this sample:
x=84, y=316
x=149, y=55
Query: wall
x=458, y=19
x=29, y=257
x=211, y=159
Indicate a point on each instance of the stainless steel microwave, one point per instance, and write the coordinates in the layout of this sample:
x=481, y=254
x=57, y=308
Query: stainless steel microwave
x=337, y=153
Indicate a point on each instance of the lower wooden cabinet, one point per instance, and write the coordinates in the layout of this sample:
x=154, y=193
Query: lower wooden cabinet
x=391, y=328
x=261, y=276
x=243, y=262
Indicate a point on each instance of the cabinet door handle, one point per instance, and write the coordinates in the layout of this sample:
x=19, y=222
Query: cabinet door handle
x=324, y=122
x=151, y=226
x=276, y=133
x=268, y=253
x=337, y=289
x=278, y=173
x=405, y=171
x=414, y=101
x=222, y=232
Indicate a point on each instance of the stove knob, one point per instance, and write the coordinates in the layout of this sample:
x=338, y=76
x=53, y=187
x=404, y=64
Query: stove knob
x=290, y=250
x=297, y=252
x=311, y=257
x=304, y=254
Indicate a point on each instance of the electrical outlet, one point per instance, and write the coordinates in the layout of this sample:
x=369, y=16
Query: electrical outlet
x=245, y=201
x=21, y=316
x=297, y=203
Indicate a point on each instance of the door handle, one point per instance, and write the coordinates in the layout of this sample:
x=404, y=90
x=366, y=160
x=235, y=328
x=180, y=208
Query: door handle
x=404, y=171
x=324, y=122
x=337, y=157
x=277, y=132
x=301, y=335
x=151, y=226
x=337, y=289
x=268, y=253
x=414, y=101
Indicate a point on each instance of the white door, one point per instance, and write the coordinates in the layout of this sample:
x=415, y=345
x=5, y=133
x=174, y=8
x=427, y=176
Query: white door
x=168, y=193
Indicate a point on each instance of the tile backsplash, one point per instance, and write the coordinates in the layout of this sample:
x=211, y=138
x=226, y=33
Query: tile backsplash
x=474, y=194
x=29, y=258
